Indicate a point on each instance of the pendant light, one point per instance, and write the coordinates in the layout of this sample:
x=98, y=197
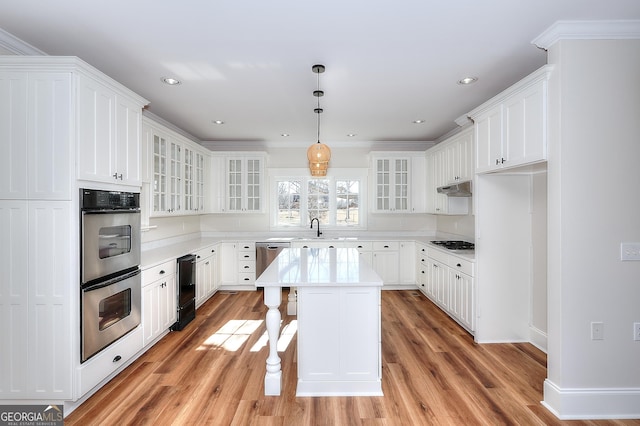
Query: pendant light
x=318, y=154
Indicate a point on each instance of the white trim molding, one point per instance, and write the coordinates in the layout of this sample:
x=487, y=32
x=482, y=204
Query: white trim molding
x=588, y=30
x=580, y=404
x=16, y=46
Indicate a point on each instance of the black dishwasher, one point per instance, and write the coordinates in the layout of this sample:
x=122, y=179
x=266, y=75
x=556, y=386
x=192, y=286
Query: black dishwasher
x=186, y=291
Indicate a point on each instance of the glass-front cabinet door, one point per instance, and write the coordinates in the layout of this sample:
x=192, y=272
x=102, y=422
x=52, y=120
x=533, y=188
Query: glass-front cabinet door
x=159, y=174
x=244, y=184
x=391, y=184
x=178, y=176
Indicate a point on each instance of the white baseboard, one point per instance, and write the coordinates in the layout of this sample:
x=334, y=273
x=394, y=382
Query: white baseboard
x=596, y=403
x=538, y=338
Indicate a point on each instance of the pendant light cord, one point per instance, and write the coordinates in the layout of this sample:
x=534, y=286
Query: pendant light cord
x=318, y=109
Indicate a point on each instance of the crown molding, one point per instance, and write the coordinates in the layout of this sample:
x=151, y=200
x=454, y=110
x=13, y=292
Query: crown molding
x=588, y=30
x=16, y=46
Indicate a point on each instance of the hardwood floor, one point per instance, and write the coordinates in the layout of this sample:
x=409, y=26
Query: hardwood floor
x=212, y=373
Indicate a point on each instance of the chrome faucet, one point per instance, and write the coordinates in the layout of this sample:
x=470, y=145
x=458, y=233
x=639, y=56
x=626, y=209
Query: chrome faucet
x=316, y=219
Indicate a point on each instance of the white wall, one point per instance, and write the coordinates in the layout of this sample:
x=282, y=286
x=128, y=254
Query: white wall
x=538, y=313
x=594, y=205
x=464, y=226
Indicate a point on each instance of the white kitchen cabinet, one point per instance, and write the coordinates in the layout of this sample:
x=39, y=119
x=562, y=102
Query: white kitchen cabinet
x=440, y=277
x=36, y=134
x=109, y=133
x=42, y=137
x=459, y=157
x=206, y=271
x=107, y=362
x=511, y=128
x=159, y=300
x=244, y=184
x=339, y=341
x=238, y=182
x=176, y=170
x=37, y=303
x=238, y=265
x=462, y=298
x=246, y=263
x=449, y=162
x=386, y=257
x=421, y=267
x=450, y=284
x=391, y=184
x=407, y=262
x=418, y=184
x=365, y=248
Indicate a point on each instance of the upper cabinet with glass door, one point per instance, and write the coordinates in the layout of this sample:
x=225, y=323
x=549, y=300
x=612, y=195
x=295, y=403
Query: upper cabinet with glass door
x=397, y=182
x=244, y=183
x=175, y=172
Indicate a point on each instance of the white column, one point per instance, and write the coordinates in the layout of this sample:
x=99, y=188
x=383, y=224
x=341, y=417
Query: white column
x=273, y=376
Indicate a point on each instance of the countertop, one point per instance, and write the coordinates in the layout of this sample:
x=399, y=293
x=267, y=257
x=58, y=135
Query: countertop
x=155, y=256
x=312, y=267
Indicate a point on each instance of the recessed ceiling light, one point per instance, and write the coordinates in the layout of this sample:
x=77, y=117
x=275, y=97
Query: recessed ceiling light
x=418, y=121
x=284, y=135
x=350, y=135
x=467, y=80
x=217, y=121
x=170, y=81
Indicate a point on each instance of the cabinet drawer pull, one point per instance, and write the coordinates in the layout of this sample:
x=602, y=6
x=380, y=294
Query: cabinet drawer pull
x=117, y=358
x=161, y=272
x=247, y=279
x=386, y=246
x=459, y=265
x=246, y=266
x=360, y=247
x=331, y=247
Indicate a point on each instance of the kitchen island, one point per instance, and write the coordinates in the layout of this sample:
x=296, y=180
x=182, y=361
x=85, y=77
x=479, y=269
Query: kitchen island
x=339, y=322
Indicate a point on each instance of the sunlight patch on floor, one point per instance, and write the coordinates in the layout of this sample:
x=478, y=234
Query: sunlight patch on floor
x=231, y=336
x=286, y=335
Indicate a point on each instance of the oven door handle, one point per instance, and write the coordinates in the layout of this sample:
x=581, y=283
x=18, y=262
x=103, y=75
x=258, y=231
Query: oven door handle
x=111, y=281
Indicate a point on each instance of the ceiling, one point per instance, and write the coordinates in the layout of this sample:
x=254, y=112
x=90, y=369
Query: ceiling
x=248, y=62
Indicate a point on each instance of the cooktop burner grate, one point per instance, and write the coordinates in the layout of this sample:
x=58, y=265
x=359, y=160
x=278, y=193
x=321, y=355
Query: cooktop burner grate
x=455, y=244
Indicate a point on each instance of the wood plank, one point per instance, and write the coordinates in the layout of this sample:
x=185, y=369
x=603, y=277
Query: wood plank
x=433, y=374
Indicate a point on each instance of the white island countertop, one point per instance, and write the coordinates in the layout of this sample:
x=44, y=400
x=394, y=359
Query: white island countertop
x=300, y=267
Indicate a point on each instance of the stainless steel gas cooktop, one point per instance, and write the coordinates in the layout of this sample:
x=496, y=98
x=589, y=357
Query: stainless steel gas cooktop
x=454, y=244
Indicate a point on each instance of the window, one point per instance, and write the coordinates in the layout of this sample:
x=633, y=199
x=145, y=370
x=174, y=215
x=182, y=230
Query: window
x=288, y=193
x=347, y=202
x=335, y=201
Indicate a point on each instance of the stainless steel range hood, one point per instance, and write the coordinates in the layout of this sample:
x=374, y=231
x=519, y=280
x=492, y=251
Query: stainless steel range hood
x=462, y=189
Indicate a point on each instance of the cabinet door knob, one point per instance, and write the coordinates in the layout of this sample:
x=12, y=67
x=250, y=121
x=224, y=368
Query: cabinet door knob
x=459, y=265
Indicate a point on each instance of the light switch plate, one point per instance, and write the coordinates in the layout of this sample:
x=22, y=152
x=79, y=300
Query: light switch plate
x=629, y=251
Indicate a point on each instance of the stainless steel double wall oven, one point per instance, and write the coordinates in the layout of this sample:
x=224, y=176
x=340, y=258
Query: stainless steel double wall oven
x=109, y=267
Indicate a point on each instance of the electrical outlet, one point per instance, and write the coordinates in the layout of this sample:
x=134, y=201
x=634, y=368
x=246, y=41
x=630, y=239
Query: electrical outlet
x=629, y=251
x=597, y=331
x=636, y=331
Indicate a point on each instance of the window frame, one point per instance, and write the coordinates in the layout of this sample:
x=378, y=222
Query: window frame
x=333, y=175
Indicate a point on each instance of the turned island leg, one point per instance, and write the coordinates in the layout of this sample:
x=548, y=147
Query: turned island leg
x=273, y=377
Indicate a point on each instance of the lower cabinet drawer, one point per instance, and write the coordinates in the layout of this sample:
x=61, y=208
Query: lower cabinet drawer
x=246, y=278
x=247, y=266
x=98, y=368
x=386, y=245
x=154, y=273
x=461, y=265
